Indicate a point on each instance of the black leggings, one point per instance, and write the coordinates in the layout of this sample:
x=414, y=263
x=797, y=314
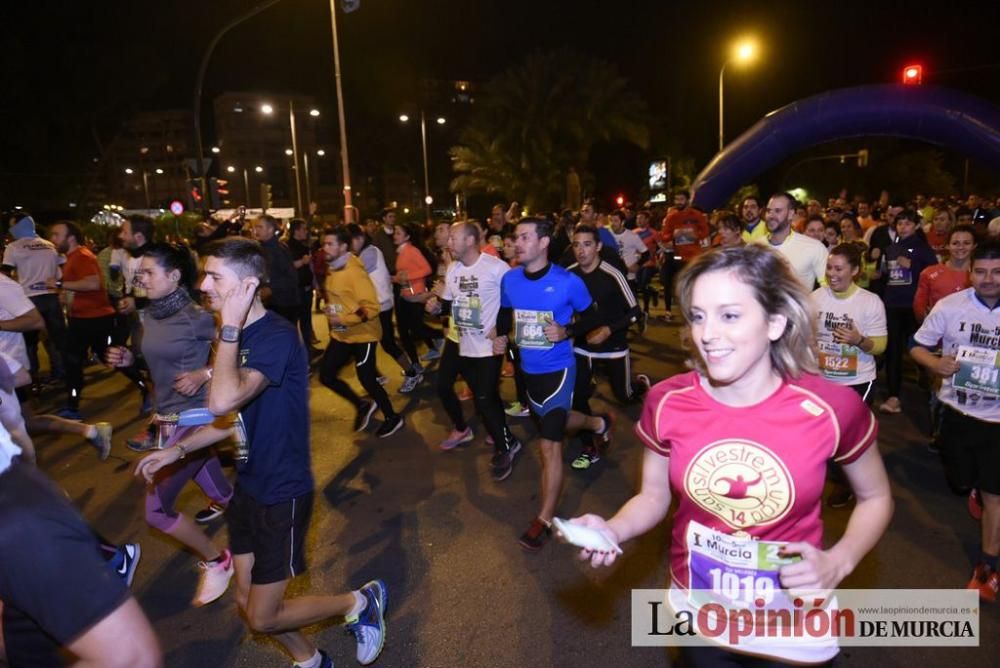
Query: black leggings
x=388, y=340
x=336, y=357
x=901, y=325
x=55, y=324
x=482, y=374
x=410, y=320
x=670, y=268
x=90, y=334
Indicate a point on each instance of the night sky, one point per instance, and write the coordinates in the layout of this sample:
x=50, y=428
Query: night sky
x=73, y=71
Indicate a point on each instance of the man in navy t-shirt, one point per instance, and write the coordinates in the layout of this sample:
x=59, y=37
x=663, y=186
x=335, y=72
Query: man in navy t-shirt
x=261, y=373
x=538, y=301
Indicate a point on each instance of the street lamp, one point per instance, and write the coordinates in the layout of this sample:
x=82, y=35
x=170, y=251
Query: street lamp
x=267, y=109
x=423, y=144
x=743, y=53
x=314, y=112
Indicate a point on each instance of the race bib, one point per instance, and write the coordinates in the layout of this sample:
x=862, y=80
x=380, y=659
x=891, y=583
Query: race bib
x=978, y=371
x=838, y=360
x=899, y=275
x=467, y=311
x=733, y=570
x=529, y=328
x=337, y=309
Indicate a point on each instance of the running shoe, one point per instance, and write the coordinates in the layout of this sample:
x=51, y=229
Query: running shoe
x=517, y=409
x=975, y=505
x=390, y=426
x=410, y=383
x=368, y=627
x=324, y=660
x=989, y=588
x=69, y=413
x=102, y=440
x=125, y=561
x=144, y=441
x=364, y=415
x=432, y=354
x=215, y=577
x=603, y=439
x=587, y=458
x=456, y=438
x=502, y=462
x=891, y=406
x=206, y=515
x=535, y=537
x=978, y=577
x=644, y=383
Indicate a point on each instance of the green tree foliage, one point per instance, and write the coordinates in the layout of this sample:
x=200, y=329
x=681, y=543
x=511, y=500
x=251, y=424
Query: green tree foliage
x=540, y=118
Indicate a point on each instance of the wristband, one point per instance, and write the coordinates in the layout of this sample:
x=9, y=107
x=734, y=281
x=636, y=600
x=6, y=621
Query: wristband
x=182, y=451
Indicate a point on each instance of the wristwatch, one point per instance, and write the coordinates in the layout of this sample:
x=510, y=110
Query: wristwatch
x=229, y=333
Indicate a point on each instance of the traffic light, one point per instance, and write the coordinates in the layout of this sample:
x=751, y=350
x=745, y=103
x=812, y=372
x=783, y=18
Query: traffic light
x=194, y=194
x=265, y=196
x=913, y=75
x=620, y=201
x=218, y=192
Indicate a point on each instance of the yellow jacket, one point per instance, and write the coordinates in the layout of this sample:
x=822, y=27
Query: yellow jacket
x=350, y=294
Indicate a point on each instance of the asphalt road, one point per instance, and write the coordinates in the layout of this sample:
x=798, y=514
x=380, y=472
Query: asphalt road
x=443, y=536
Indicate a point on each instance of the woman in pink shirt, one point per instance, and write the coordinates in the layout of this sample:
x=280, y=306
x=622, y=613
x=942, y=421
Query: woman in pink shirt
x=742, y=441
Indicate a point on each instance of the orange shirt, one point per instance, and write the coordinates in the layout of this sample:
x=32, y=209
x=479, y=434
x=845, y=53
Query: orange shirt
x=81, y=263
x=685, y=230
x=936, y=283
x=417, y=269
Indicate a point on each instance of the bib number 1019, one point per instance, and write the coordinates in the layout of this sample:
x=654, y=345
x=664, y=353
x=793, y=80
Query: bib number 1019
x=748, y=588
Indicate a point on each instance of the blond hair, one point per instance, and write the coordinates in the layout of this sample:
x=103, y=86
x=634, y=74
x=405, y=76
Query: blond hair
x=777, y=290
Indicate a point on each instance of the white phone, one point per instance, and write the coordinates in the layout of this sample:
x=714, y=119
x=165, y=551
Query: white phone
x=585, y=537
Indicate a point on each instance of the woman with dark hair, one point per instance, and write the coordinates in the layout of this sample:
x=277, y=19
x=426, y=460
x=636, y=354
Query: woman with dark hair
x=743, y=442
x=413, y=272
x=177, y=344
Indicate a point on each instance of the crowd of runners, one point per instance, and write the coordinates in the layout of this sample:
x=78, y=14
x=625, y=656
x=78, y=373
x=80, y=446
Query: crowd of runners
x=791, y=312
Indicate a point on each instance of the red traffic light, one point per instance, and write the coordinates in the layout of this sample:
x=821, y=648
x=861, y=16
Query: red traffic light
x=913, y=75
x=620, y=200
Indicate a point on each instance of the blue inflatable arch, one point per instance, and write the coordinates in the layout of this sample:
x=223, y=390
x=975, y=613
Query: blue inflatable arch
x=935, y=115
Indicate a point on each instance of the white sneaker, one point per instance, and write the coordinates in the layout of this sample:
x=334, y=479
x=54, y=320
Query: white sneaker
x=214, y=581
x=410, y=383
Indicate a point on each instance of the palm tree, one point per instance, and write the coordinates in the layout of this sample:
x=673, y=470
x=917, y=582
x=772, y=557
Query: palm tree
x=538, y=119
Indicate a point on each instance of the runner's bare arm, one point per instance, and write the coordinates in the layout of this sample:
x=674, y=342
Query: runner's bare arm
x=123, y=638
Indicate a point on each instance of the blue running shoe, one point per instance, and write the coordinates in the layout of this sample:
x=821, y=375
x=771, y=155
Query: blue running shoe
x=368, y=627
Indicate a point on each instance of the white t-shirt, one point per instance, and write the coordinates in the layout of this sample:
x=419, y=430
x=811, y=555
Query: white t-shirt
x=36, y=260
x=841, y=363
x=806, y=255
x=970, y=331
x=13, y=304
x=630, y=247
x=474, y=293
x=377, y=270
x=10, y=413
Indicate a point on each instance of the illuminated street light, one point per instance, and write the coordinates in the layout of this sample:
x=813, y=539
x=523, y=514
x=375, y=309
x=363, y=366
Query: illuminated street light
x=404, y=118
x=266, y=109
x=129, y=170
x=231, y=169
x=743, y=52
x=428, y=200
x=314, y=112
x=423, y=145
x=215, y=149
x=288, y=151
x=320, y=153
x=441, y=120
x=159, y=170
x=258, y=169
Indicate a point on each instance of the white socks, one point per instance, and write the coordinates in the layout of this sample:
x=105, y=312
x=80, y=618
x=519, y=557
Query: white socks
x=359, y=604
x=314, y=662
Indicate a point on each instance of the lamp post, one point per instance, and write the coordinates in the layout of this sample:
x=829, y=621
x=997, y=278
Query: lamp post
x=268, y=110
x=200, y=80
x=428, y=200
x=246, y=180
x=743, y=53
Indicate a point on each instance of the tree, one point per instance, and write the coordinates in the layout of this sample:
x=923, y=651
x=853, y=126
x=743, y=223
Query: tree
x=540, y=118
